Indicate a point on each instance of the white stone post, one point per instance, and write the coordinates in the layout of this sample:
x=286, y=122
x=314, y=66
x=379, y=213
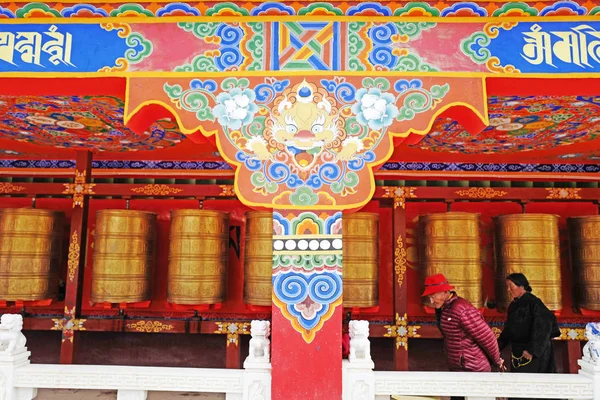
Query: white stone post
x=123, y=394
x=592, y=372
x=590, y=363
x=357, y=374
x=13, y=355
x=257, y=366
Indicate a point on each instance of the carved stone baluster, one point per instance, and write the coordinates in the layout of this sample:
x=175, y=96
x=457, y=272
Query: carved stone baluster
x=13, y=355
x=257, y=374
x=358, y=377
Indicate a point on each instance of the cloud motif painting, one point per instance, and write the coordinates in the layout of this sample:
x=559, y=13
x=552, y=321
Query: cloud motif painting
x=305, y=143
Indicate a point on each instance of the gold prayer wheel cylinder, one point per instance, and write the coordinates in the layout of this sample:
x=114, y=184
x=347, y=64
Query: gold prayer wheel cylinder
x=124, y=253
x=360, y=259
x=258, y=258
x=584, y=237
x=529, y=244
x=449, y=244
x=30, y=253
x=198, y=254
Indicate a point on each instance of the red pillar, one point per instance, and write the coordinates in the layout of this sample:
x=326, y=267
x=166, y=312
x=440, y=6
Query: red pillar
x=80, y=189
x=399, y=285
x=306, y=327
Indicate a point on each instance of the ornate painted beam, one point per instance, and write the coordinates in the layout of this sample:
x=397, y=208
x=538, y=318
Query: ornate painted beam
x=305, y=105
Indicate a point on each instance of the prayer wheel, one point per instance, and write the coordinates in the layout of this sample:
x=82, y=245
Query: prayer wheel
x=30, y=253
x=449, y=244
x=124, y=253
x=198, y=253
x=360, y=259
x=258, y=258
x=529, y=244
x=584, y=236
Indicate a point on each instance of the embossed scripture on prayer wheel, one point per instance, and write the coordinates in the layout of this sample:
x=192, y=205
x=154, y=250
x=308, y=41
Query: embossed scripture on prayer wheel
x=30, y=253
x=529, y=244
x=584, y=237
x=198, y=253
x=449, y=244
x=124, y=253
x=360, y=258
x=258, y=258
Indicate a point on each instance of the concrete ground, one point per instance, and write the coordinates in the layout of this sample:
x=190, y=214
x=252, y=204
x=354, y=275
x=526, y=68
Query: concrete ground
x=64, y=394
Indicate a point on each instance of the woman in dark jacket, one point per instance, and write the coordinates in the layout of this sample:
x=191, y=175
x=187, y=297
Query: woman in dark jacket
x=529, y=328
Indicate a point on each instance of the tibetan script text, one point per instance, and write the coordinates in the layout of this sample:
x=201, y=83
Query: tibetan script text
x=30, y=46
x=578, y=46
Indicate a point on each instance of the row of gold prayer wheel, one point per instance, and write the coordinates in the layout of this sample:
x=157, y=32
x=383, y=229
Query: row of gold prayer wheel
x=449, y=243
x=198, y=254
x=125, y=252
x=360, y=255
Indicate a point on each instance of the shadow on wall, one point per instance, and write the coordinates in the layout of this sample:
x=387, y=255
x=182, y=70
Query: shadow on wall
x=136, y=349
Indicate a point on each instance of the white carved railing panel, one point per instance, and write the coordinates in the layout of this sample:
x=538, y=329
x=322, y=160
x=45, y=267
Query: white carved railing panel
x=19, y=380
x=130, y=378
x=361, y=383
x=479, y=384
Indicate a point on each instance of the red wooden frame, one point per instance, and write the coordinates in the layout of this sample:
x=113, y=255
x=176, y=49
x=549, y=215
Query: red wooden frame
x=184, y=322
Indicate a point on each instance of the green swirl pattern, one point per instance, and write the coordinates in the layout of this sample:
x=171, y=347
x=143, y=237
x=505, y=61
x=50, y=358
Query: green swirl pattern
x=304, y=196
x=421, y=100
x=308, y=262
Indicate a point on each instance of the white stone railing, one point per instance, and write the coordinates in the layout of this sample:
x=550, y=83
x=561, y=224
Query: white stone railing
x=362, y=383
x=20, y=380
x=131, y=383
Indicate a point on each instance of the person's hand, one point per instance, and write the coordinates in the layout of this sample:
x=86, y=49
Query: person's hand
x=501, y=366
x=527, y=355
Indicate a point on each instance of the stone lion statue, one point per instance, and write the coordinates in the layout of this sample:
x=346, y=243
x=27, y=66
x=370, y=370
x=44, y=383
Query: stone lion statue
x=11, y=338
x=260, y=343
x=591, y=351
x=360, y=347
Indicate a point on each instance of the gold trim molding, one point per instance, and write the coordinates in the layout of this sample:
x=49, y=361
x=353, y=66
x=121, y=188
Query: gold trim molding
x=563, y=193
x=68, y=324
x=402, y=331
x=149, y=326
x=399, y=194
x=156, y=190
x=79, y=189
x=233, y=331
x=228, y=190
x=572, y=334
x=400, y=260
x=7, y=187
x=481, y=193
x=73, y=258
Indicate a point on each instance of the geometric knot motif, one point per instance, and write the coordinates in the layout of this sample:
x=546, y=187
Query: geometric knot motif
x=306, y=46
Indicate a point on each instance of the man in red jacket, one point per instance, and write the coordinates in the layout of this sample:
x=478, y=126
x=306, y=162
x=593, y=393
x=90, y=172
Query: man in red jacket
x=469, y=342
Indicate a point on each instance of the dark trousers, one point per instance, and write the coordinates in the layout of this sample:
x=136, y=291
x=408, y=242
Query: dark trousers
x=544, y=364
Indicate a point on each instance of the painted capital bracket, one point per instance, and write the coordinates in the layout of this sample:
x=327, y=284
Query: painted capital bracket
x=306, y=143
